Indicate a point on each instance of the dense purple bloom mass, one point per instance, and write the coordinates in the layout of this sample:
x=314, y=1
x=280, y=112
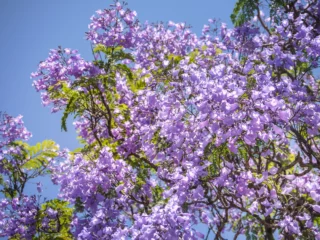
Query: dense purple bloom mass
x=179, y=130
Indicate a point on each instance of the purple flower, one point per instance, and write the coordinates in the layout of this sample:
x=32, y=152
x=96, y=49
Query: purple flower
x=39, y=187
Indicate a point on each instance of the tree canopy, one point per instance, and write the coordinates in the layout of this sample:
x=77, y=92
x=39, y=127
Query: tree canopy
x=178, y=130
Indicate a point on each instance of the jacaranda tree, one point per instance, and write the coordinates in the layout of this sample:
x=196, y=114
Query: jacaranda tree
x=178, y=130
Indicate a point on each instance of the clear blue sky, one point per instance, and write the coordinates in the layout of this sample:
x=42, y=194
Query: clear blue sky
x=29, y=28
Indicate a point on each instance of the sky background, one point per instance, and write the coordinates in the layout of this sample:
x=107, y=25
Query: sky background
x=29, y=29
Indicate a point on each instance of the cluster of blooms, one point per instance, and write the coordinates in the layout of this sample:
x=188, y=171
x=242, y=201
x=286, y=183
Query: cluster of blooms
x=166, y=221
x=18, y=217
x=115, y=26
x=63, y=66
x=99, y=186
x=227, y=127
x=12, y=129
x=105, y=189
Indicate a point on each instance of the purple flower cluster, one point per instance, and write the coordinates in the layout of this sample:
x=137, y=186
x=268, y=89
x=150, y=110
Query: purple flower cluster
x=18, y=217
x=12, y=129
x=115, y=26
x=63, y=66
x=101, y=187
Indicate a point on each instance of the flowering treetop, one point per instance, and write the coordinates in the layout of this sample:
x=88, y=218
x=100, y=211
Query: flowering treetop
x=178, y=129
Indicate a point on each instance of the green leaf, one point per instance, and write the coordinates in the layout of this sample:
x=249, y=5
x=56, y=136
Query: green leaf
x=175, y=58
x=243, y=11
x=121, y=55
x=125, y=69
x=64, y=213
x=115, y=53
x=316, y=221
x=157, y=193
x=137, y=84
x=70, y=108
x=215, y=155
x=193, y=55
x=102, y=48
x=39, y=154
x=247, y=234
